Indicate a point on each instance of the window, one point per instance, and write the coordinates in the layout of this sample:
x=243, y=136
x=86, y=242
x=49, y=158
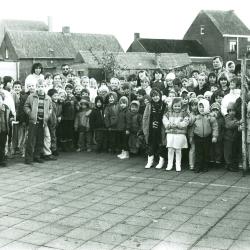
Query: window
x=232, y=46
x=202, y=29
x=6, y=53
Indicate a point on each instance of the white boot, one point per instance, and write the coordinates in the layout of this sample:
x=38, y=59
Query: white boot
x=125, y=156
x=121, y=154
x=178, y=160
x=169, y=167
x=161, y=163
x=150, y=161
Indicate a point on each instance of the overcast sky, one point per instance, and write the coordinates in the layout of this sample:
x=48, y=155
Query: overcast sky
x=151, y=18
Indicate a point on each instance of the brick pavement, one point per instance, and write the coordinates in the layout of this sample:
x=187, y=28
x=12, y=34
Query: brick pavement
x=95, y=201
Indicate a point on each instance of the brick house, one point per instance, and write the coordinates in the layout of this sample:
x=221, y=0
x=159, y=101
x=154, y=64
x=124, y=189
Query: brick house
x=52, y=49
x=191, y=47
x=221, y=33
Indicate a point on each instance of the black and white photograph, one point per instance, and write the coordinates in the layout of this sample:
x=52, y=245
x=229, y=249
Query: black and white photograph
x=124, y=125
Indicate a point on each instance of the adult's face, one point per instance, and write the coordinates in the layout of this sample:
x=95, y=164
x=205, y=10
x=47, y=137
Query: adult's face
x=217, y=64
x=65, y=70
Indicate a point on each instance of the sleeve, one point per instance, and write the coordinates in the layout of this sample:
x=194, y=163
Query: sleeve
x=27, y=106
x=184, y=123
x=230, y=124
x=106, y=117
x=166, y=121
x=215, y=129
x=76, y=121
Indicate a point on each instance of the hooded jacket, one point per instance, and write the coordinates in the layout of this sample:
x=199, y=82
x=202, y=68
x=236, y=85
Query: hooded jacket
x=134, y=124
x=204, y=124
x=96, y=118
x=111, y=112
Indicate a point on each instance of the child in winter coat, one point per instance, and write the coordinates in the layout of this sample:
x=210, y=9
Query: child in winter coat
x=153, y=129
x=193, y=111
x=81, y=124
x=175, y=122
x=134, y=124
x=216, y=154
x=204, y=131
x=111, y=119
x=231, y=134
x=97, y=125
x=68, y=117
x=5, y=119
x=122, y=128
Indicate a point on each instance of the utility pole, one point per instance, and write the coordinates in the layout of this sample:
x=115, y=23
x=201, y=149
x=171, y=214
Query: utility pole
x=243, y=113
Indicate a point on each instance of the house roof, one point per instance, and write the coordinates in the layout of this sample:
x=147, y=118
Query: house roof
x=227, y=22
x=192, y=47
x=137, y=60
x=43, y=44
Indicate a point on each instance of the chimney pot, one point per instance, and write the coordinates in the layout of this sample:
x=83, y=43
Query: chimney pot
x=136, y=36
x=65, y=29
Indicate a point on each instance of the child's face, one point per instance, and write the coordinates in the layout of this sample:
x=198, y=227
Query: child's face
x=85, y=83
x=185, y=100
x=194, y=107
x=111, y=99
x=78, y=90
x=62, y=97
x=84, y=106
x=68, y=91
x=31, y=87
x=177, y=107
x=201, y=81
x=155, y=98
x=55, y=97
x=169, y=82
x=38, y=71
x=158, y=76
x=102, y=93
x=207, y=97
x=190, y=82
x=215, y=112
x=176, y=88
x=195, y=75
x=99, y=104
x=57, y=79
x=144, y=84
x=139, y=97
x=114, y=85
x=232, y=85
x=223, y=82
x=40, y=89
x=171, y=95
x=17, y=88
x=231, y=68
x=212, y=79
x=123, y=105
x=213, y=88
x=201, y=108
x=146, y=101
x=9, y=85
x=142, y=75
x=218, y=99
x=185, y=84
x=134, y=109
x=231, y=112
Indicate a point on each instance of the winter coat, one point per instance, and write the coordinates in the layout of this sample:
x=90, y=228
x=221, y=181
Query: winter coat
x=180, y=121
x=231, y=128
x=82, y=119
x=68, y=108
x=8, y=117
x=21, y=115
x=122, y=119
x=204, y=125
x=31, y=108
x=146, y=123
x=229, y=98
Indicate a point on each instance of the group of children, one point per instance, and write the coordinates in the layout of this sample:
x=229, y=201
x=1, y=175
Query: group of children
x=193, y=121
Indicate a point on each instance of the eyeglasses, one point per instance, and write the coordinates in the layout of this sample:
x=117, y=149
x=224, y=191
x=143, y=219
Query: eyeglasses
x=65, y=68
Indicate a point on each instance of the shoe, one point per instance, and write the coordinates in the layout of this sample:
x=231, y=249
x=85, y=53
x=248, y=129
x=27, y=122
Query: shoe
x=55, y=153
x=27, y=162
x=191, y=168
x=178, y=168
x=3, y=164
x=150, y=161
x=78, y=150
x=121, y=154
x=125, y=156
x=169, y=168
x=161, y=163
x=38, y=160
x=49, y=158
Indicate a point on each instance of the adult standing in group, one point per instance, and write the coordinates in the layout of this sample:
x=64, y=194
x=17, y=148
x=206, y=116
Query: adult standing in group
x=36, y=74
x=158, y=80
x=65, y=72
x=218, y=65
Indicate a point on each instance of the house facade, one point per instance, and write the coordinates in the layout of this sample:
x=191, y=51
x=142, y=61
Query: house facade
x=52, y=49
x=221, y=33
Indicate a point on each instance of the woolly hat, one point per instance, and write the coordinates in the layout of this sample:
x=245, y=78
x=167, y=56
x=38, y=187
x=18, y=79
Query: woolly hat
x=215, y=105
x=103, y=88
x=170, y=76
x=123, y=99
x=85, y=91
x=190, y=94
x=208, y=93
x=183, y=92
x=85, y=100
x=230, y=106
x=205, y=104
x=136, y=103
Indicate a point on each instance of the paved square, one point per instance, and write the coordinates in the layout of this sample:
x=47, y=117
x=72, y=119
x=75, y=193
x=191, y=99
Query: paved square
x=96, y=201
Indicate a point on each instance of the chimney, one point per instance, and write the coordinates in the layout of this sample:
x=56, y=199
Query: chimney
x=66, y=29
x=157, y=60
x=50, y=23
x=136, y=36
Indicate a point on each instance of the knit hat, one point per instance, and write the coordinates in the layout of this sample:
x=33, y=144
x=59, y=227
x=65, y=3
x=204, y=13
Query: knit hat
x=170, y=76
x=205, y=104
x=136, y=103
x=208, y=93
x=103, y=88
x=215, y=105
x=190, y=94
x=123, y=99
x=85, y=91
